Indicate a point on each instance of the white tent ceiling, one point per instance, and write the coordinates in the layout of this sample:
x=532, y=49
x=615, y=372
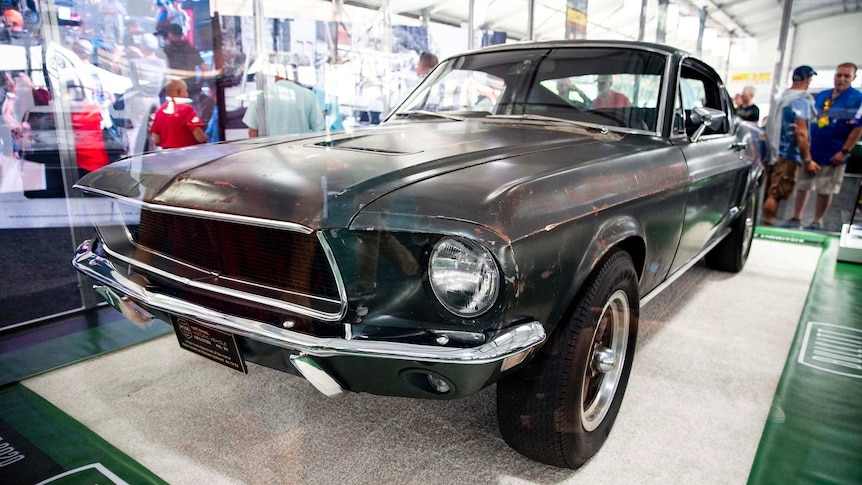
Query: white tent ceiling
x=606, y=18
x=742, y=18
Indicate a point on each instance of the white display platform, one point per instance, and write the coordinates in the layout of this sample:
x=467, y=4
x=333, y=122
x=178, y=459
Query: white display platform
x=850, y=244
x=176, y=413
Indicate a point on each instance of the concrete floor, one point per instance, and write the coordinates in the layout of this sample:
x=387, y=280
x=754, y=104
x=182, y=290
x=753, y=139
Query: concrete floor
x=839, y=213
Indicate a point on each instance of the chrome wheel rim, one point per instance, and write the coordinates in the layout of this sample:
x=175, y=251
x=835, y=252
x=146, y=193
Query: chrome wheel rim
x=605, y=361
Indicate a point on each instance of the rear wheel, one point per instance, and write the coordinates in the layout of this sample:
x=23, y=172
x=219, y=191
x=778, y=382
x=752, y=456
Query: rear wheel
x=560, y=408
x=732, y=252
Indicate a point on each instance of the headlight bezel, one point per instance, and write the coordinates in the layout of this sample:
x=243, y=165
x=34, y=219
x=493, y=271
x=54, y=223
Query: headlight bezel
x=487, y=284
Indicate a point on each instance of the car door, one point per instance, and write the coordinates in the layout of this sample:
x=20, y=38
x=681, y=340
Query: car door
x=715, y=160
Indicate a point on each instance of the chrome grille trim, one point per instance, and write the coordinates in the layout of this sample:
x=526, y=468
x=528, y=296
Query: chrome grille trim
x=272, y=258
x=217, y=216
x=283, y=305
x=511, y=342
x=336, y=273
x=341, y=301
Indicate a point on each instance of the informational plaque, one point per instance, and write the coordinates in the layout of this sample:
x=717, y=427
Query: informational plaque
x=208, y=342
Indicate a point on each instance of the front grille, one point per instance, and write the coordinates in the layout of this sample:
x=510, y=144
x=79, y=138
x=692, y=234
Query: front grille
x=276, y=258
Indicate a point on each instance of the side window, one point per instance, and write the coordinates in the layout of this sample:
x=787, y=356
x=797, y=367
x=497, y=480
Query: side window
x=699, y=87
x=693, y=93
x=683, y=104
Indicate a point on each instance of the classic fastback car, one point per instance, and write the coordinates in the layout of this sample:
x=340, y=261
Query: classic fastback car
x=503, y=225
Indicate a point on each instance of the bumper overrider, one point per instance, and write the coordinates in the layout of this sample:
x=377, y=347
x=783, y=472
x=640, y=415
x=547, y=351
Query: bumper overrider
x=332, y=365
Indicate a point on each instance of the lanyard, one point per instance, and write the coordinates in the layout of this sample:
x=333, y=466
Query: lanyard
x=823, y=119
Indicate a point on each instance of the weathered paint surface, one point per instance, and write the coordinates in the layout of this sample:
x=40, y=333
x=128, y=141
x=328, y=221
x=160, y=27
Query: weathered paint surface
x=291, y=180
x=547, y=200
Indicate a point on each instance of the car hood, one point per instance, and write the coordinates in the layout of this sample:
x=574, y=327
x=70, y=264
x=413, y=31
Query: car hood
x=325, y=180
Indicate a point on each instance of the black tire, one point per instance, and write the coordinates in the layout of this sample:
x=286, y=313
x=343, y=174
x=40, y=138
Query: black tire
x=560, y=408
x=732, y=252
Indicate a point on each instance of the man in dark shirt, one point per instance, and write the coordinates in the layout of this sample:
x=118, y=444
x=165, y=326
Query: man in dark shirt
x=184, y=59
x=746, y=109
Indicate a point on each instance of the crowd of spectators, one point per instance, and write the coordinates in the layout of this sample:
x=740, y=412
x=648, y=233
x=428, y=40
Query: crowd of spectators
x=811, y=139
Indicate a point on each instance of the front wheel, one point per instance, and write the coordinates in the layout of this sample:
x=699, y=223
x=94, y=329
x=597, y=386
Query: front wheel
x=732, y=252
x=560, y=408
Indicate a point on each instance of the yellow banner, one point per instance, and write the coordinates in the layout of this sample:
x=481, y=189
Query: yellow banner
x=756, y=77
x=576, y=17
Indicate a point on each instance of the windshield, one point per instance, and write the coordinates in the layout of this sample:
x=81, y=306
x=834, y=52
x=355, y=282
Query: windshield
x=608, y=86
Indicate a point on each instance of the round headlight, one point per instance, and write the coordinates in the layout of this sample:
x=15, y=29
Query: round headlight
x=463, y=276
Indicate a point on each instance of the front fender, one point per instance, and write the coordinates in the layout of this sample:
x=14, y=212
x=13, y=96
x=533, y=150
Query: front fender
x=553, y=264
x=625, y=232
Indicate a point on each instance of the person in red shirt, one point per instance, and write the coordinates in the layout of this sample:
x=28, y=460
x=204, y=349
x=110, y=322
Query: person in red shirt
x=177, y=124
x=608, y=98
x=90, y=150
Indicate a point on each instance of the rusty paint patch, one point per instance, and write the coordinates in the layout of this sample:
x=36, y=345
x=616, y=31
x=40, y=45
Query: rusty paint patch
x=599, y=208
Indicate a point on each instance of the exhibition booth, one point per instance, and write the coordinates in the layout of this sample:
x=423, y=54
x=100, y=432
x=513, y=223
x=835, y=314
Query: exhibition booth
x=414, y=249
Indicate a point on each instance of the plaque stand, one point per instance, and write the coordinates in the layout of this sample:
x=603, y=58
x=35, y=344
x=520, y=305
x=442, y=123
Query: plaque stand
x=850, y=244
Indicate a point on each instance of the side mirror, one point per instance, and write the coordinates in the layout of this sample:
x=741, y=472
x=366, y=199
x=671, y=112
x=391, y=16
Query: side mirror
x=705, y=117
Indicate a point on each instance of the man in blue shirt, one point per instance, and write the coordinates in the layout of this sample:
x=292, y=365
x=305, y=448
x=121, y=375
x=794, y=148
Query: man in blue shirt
x=332, y=117
x=788, y=133
x=286, y=107
x=833, y=136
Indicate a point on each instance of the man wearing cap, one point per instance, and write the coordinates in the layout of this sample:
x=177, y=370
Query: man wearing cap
x=184, y=59
x=790, y=144
x=608, y=98
x=289, y=107
x=833, y=136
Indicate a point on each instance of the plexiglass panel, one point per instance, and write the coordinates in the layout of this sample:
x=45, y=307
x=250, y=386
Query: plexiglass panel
x=83, y=83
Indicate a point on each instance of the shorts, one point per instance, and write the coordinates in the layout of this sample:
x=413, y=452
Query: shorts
x=827, y=181
x=781, y=177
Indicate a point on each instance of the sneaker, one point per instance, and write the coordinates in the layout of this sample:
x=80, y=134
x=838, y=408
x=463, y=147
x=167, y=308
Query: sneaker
x=814, y=226
x=792, y=223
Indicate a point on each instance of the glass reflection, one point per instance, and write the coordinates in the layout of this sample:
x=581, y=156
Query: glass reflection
x=82, y=82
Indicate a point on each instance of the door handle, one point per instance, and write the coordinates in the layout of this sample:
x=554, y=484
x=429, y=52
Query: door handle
x=739, y=146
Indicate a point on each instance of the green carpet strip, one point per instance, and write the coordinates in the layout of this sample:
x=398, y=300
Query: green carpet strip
x=51, y=354
x=813, y=434
x=41, y=444
x=790, y=236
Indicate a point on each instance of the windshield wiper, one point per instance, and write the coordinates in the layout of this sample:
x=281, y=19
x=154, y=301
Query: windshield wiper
x=423, y=112
x=534, y=117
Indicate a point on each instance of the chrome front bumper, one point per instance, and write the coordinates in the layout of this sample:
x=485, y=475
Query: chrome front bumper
x=509, y=347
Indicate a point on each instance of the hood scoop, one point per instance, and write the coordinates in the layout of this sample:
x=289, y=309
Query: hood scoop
x=383, y=144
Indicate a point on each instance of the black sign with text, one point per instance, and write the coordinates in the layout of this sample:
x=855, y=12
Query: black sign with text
x=208, y=342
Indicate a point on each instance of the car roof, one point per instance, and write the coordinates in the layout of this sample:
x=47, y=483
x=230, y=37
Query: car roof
x=556, y=44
